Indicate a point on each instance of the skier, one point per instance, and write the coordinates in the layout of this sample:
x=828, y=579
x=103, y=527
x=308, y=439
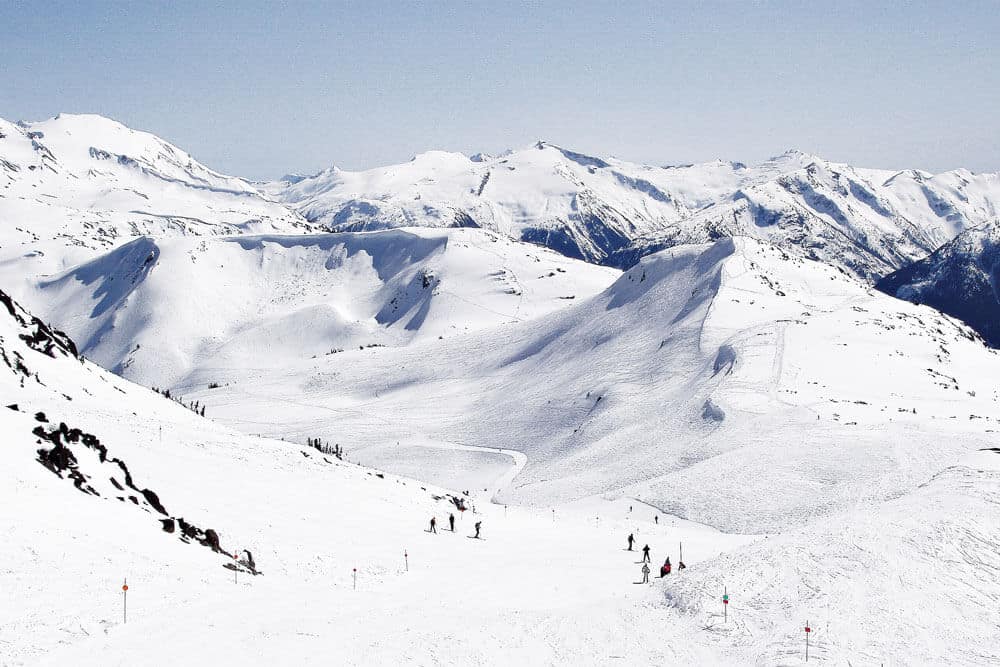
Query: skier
x=631, y=539
x=665, y=568
x=434, y=524
x=645, y=573
x=645, y=554
x=451, y=520
x=478, y=524
x=657, y=519
x=680, y=565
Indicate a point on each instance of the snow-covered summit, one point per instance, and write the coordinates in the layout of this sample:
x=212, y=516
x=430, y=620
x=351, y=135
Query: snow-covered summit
x=75, y=184
x=605, y=210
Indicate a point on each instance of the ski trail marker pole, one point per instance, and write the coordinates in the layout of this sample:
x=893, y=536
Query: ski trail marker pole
x=355, y=578
x=681, y=545
x=725, y=605
x=236, y=569
x=808, y=630
x=406, y=557
x=125, y=600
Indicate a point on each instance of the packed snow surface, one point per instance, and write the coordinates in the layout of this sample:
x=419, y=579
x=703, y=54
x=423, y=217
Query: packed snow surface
x=346, y=570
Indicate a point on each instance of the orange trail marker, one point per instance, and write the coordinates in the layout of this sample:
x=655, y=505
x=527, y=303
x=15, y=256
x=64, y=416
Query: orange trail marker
x=125, y=601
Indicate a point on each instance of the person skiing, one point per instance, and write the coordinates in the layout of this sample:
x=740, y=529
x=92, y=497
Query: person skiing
x=645, y=573
x=631, y=539
x=434, y=524
x=680, y=565
x=478, y=524
x=451, y=520
x=665, y=568
x=645, y=554
x=656, y=519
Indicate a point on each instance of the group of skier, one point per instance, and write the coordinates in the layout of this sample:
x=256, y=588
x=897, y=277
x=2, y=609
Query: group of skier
x=665, y=569
x=451, y=525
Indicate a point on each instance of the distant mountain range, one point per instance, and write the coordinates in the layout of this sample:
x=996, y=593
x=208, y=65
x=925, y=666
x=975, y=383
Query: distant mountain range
x=869, y=222
x=77, y=185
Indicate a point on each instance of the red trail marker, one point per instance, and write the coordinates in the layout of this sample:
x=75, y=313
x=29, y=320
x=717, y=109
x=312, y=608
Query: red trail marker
x=808, y=630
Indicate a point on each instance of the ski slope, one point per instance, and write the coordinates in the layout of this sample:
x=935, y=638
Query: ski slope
x=704, y=372
x=546, y=585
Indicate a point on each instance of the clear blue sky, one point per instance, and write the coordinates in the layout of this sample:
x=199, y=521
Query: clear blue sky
x=260, y=89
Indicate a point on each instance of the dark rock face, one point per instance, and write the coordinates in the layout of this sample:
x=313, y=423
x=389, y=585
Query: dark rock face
x=959, y=279
x=70, y=453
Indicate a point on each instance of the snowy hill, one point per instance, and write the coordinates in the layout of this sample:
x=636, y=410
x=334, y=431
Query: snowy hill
x=345, y=566
x=76, y=185
x=869, y=222
x=697, y=375
x=156, y=310
x=960, y=279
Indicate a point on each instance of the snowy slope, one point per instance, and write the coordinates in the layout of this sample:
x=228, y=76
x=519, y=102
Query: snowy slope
x=960, y=279
x=704, y=372
x=869, y=222
x=546, y=586
x=76, y=185
x=156, y=310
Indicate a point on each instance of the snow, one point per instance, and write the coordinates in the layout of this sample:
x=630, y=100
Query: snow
x=82, y=184
x=870, y=222
x=155, y=311
x=822, y=451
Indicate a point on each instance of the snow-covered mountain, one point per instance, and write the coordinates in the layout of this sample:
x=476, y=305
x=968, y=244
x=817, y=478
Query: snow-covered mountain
x=870, y=222
x=961, y=278
x=154, y=310
x=821, y=450
x=105, y=482
x=704, y=372
x=76, y=185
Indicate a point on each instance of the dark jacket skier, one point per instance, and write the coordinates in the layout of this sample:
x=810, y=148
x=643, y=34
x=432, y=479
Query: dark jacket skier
x=645, y=554
x=631, y=539
x=434, y=524
x=451, y=520
x=478, y=524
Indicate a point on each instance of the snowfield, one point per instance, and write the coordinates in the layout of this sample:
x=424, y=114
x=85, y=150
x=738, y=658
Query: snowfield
x=740, y=398
x=545, y=586
x=702, y=373
x=156, y=310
